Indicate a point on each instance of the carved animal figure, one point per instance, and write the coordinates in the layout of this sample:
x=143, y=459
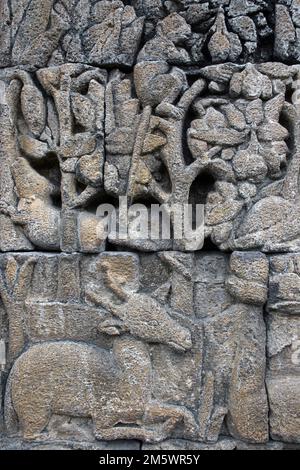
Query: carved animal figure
x=40, y=220
x=36, y=214
x=142, y=315
x=112, y=387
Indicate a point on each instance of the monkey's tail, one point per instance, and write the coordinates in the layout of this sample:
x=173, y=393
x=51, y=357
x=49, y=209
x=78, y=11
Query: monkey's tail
x=10, y=416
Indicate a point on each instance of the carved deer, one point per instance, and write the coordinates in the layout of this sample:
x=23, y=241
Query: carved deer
x=112, y=387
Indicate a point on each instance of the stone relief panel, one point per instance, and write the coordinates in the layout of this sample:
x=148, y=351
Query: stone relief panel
x=76, y=136
x=110, y=342
x=55, y=147
x=54, y=32
x=101, y=352
x=257, y=131
x=182, y=32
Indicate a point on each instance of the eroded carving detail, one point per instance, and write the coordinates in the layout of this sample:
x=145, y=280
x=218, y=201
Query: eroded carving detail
x=145, y=145
x=283, y=346
x=111, y=32
x=105, y=341
x=97, y=335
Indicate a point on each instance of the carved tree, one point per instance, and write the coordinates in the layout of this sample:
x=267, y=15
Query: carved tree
x=15, y=282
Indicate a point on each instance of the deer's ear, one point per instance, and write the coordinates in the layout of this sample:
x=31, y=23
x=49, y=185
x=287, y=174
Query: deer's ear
x=111, y=330
x=112, y=327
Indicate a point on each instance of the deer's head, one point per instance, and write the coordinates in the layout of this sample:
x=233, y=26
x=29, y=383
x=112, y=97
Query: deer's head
x=147, y=319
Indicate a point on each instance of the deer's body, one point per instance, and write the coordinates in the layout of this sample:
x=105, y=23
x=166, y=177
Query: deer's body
x=76, y=379
x=112, y=387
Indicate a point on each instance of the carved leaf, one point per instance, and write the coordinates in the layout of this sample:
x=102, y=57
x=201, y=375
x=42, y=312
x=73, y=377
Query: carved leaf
x=83, y=111
x=32, y=147
x=11, y=272
x=273, y=108
x=33, y=108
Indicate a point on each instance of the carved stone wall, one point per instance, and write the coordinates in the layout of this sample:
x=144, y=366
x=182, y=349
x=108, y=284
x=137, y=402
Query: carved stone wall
x=114, y=343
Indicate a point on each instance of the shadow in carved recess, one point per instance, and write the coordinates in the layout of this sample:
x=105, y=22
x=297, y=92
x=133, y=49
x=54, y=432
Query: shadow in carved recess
x=234, y=123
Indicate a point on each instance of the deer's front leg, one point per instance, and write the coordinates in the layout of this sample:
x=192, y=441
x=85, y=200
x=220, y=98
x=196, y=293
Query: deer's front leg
x=172, y=416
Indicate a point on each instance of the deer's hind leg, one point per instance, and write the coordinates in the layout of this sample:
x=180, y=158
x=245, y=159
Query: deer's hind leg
x=33, y=421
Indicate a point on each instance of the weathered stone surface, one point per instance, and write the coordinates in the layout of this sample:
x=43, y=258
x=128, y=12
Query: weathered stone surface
x=110, y=32
x=43, y=33
x=222, y=444
x=122, y=326
x=151, y=360
x=82, y=136
x=283, y=347
x=18, y=444
x=176, y=444
x=284, y=403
